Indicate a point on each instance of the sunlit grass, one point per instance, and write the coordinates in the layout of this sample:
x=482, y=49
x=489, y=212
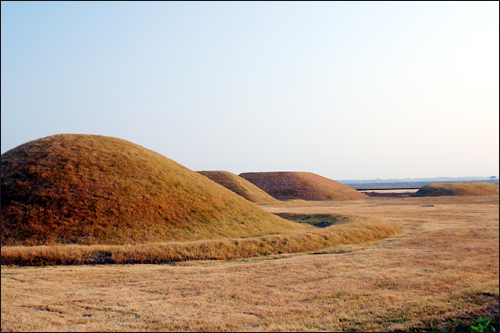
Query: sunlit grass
x=356, y=230
x=239, y=186
x=302, y=186
x=440, y=273
x=94, y=190
x=457, y=188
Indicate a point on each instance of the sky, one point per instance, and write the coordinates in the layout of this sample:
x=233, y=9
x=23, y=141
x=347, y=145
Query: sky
x=346, y=90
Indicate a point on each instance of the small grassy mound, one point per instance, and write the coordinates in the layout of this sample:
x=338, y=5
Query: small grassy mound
x=456, y=189
x=301, y=185
x=239, y=186
x=91, y=189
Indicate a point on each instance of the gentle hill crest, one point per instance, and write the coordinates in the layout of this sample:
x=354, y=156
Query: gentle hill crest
x=301, y=185
x=92, y=189
x=457, y=188
x=239, y=186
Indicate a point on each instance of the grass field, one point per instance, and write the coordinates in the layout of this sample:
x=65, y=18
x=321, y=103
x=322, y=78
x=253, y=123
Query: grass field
x=440, y=273
x=342, y=229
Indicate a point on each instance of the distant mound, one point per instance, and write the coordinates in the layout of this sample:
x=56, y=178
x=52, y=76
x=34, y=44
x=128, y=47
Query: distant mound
x=301, y=185
x=239, y=186
x=458, y=188
x=90, y=189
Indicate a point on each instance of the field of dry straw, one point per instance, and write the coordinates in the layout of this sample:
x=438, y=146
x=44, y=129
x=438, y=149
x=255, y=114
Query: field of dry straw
x=440, y=273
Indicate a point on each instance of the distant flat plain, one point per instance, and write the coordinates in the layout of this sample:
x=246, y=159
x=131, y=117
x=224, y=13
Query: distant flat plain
x=410, y=190
x=368, y=185
x=439, y=274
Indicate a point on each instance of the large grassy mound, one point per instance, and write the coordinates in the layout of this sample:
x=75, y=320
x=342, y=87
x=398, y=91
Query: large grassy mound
x=301, y=185
x=458, y=188
x=239, y=186
x=89, y=189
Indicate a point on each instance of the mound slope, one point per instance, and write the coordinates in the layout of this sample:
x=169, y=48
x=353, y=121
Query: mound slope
x=90, y=189
x=301, y=185
x=458, y=188
x=239, y=186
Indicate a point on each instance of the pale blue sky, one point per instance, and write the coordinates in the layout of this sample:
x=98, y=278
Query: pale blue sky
x=347, y=90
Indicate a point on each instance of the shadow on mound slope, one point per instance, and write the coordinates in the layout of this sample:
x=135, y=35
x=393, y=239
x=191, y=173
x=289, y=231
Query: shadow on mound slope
x=301, y=185
x=239, y=186
x=90, y=189
x=457, y=188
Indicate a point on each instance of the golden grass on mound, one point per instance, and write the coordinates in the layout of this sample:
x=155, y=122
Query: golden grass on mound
x=458, y=188
x=302, y=185
x=239, y=186
x=357, y=231
x=92, y=189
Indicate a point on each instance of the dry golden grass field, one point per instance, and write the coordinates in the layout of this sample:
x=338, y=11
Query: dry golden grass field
x=440, y=273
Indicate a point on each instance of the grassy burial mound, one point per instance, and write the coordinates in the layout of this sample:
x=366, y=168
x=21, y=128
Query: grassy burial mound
x=239, y=186
x=458, y=188
x=90, y=189
x=301, y=185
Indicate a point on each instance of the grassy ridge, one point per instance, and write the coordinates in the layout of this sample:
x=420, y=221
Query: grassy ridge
x=301, y=185
x=358, y=230
x=91, y=189
x=239, y=186
x=457, y=189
